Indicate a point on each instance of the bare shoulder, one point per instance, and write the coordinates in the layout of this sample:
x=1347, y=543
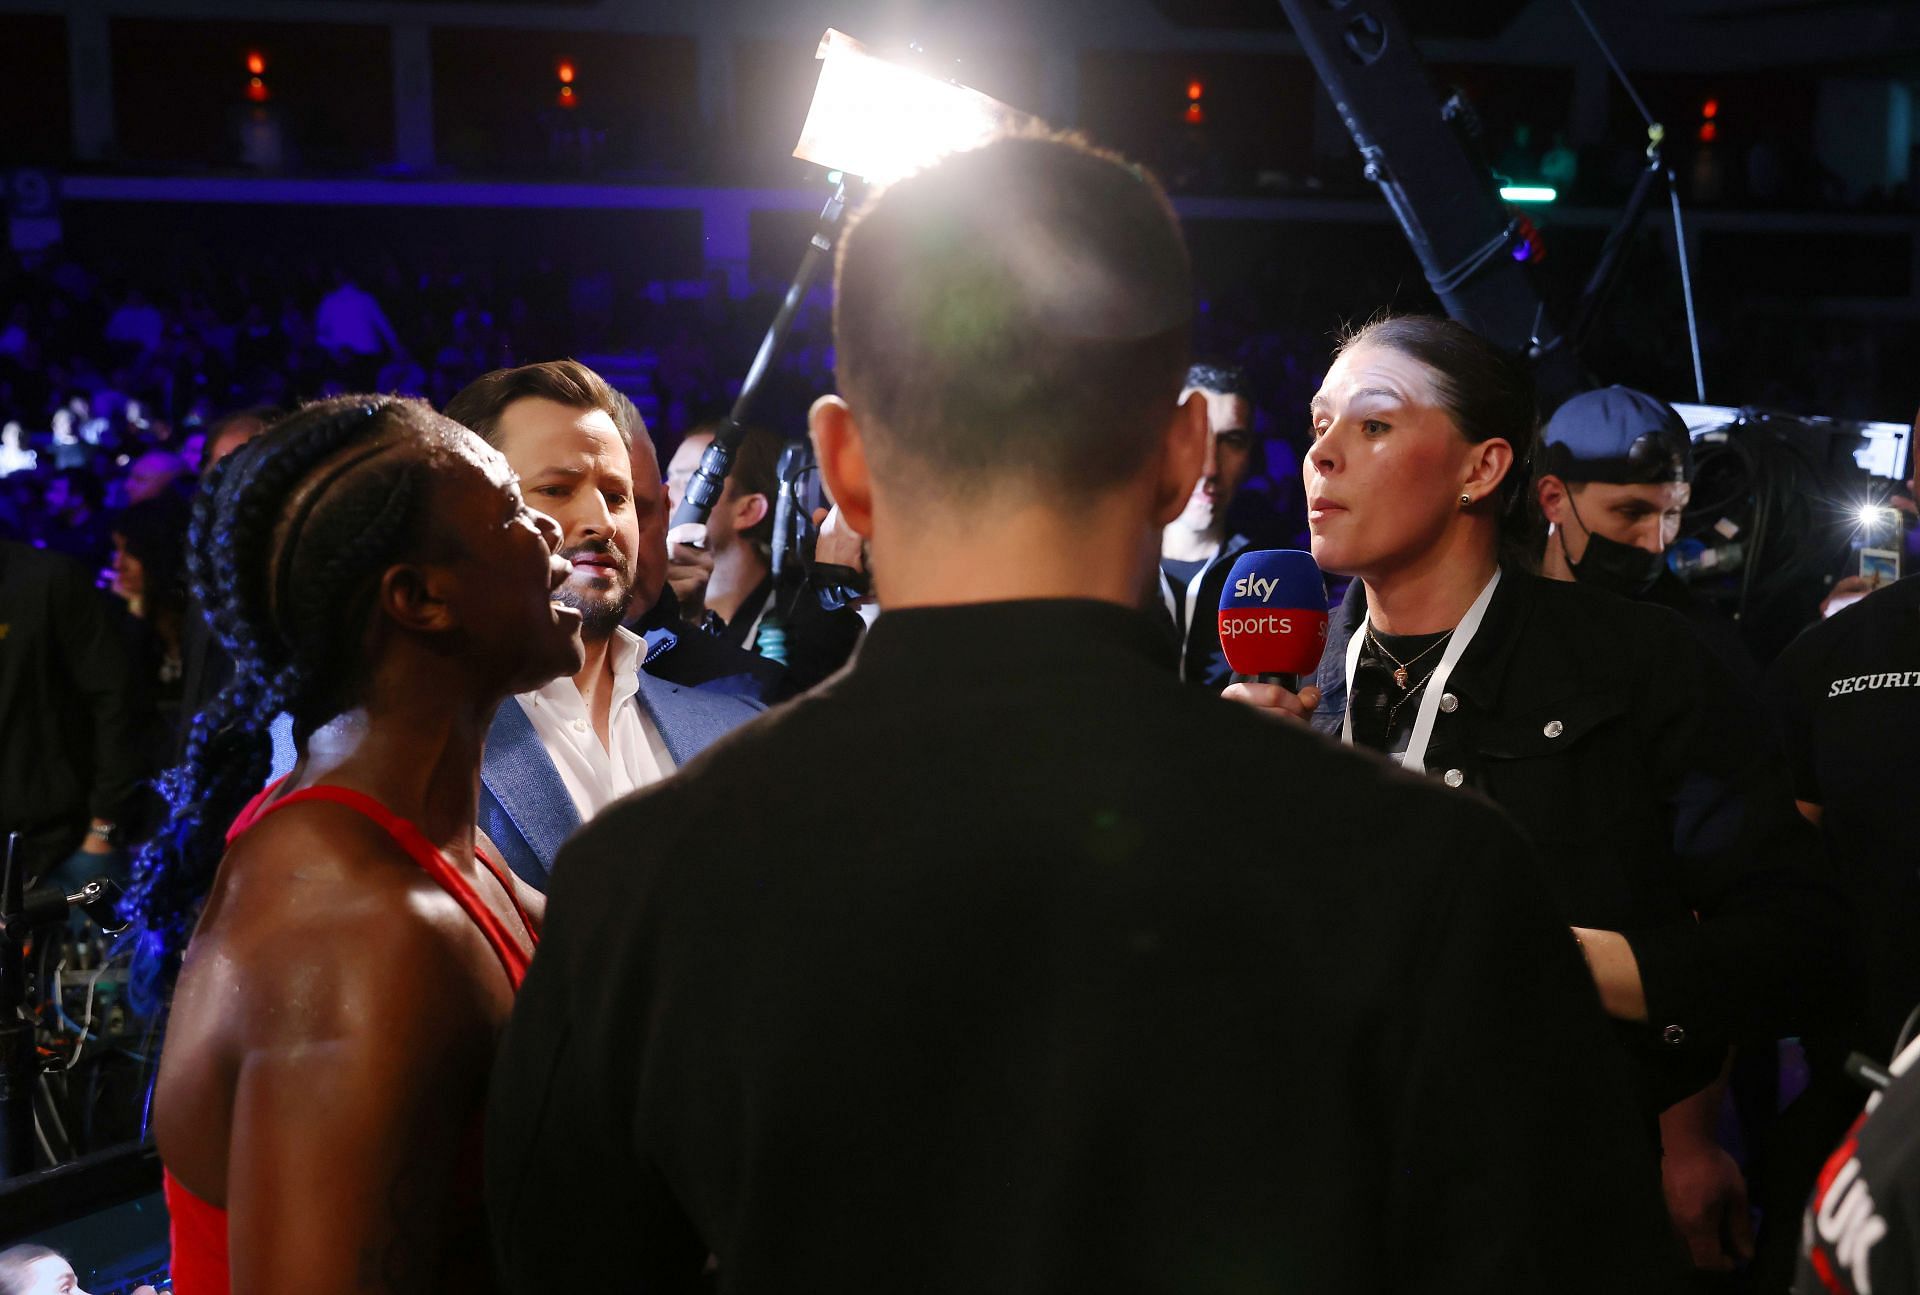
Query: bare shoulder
x=317, y=914
x=321, y=932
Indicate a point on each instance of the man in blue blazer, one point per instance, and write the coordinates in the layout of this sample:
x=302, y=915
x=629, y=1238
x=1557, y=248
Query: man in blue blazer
x=558, y=755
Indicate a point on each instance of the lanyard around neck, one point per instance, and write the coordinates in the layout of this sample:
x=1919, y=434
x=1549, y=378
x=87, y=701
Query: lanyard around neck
x=1414, y=760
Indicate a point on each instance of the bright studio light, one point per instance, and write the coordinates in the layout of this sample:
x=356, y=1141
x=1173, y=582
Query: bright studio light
x=1876, y=518
x=881, y=121
x=1528, y=193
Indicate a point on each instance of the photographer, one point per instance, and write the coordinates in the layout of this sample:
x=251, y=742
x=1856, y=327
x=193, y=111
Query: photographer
x=725, y=583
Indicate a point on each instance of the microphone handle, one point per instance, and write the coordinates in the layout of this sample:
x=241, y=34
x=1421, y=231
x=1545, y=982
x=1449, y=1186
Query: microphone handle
x=1291, y=682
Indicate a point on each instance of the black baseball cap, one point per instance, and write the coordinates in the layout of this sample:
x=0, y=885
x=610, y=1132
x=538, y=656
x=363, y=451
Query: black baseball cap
x=1617, y=435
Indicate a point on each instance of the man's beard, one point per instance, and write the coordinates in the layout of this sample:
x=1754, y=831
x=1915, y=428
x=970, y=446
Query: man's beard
x=600, y=611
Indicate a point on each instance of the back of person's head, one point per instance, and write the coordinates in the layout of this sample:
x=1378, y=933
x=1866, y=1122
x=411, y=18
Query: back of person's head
x=479, y=404
x=755, y=471
x=289, y=538
x=1013, y=318
x=17, y=1264
x=1487, y=392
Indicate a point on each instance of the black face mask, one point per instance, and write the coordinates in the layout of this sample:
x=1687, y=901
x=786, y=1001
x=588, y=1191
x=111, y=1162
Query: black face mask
x=1608, y=564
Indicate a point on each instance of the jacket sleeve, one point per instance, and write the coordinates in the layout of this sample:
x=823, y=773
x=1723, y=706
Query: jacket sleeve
x=1767, y=954
x=1521, y=1159
x=103, y=675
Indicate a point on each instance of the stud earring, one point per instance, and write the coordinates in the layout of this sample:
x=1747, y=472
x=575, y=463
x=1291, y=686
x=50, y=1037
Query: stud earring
x=1465, y=500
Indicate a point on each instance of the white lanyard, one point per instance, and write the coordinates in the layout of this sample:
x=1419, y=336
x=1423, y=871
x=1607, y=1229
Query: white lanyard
x=1415, y=758
x=752, y=635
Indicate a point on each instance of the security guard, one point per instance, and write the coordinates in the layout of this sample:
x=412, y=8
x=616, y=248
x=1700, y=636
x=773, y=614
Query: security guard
x=1846, y=694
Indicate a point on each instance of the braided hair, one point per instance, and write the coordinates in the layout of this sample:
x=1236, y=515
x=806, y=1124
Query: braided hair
x=289, y=538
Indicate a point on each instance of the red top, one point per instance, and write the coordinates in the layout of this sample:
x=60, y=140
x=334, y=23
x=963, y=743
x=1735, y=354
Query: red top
x=198, y=1228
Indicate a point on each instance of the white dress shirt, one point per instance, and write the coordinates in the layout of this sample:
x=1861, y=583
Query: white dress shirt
x=635, y=754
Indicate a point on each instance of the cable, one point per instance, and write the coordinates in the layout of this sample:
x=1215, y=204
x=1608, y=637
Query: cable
x=42, y=1135
x=1686, y=288
x=1656, y=133
x=87, y=1012
x=53, y=1113
x=1906, y=1031
x=1613, y=62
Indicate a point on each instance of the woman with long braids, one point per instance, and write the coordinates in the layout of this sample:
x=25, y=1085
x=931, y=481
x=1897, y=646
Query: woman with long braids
x=1645, y=779
x=373, y=572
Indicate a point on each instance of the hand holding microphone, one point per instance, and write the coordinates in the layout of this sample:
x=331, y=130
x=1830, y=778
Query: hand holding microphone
x=1273, y=627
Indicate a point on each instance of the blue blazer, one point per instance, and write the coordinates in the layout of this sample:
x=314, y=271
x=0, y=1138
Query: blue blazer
x=525, y=808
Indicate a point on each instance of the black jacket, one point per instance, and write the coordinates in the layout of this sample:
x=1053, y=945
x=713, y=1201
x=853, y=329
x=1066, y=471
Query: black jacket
x=1659, y=800
x=72, y=732
x=1191, y=617
x=1004, y=962
x=680, y=654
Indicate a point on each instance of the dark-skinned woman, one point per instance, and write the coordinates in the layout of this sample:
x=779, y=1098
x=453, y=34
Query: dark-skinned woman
x=373, y=572
x=1643, y=776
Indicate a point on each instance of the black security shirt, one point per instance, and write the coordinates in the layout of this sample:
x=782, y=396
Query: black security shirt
x=1847, y=692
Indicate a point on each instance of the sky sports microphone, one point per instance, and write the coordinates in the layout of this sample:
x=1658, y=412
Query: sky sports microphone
x=1273, y=616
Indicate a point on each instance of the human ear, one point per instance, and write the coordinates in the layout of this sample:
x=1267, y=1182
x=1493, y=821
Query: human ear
x=1551, y=491
x=1183, y=454
x=418, y=598
x=1490, y=462
x=748, y=512
x=842, y=455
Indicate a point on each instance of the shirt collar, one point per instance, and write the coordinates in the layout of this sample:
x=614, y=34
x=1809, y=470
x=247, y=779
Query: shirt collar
x=1019, y=637
x=624, y=655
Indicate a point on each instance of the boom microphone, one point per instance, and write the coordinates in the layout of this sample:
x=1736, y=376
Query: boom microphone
x=1273, y=616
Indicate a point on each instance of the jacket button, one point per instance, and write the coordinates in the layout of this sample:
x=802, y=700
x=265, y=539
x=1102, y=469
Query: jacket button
x=1673, y=1036
x=1453, y=777
x=1449, y=703
x=1554, y=728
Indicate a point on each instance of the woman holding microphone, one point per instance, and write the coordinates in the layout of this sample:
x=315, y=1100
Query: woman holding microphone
x=1647, y=783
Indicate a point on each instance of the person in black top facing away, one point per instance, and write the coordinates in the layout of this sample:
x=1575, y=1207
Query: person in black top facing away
x=1018, y=1018
x=1643, y=775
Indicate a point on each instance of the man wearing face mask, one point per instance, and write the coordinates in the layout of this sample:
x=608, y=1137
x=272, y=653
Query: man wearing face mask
x=1613, y=480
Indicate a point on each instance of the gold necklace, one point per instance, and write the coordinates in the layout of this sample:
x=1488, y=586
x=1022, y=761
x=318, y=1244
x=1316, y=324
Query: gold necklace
x=1400, y=671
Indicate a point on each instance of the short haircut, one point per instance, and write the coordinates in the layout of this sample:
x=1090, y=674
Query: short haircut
x=479, y=404
x=16, y=1263
x=1016, y=314
x=1221, y=378
x=755, y=471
